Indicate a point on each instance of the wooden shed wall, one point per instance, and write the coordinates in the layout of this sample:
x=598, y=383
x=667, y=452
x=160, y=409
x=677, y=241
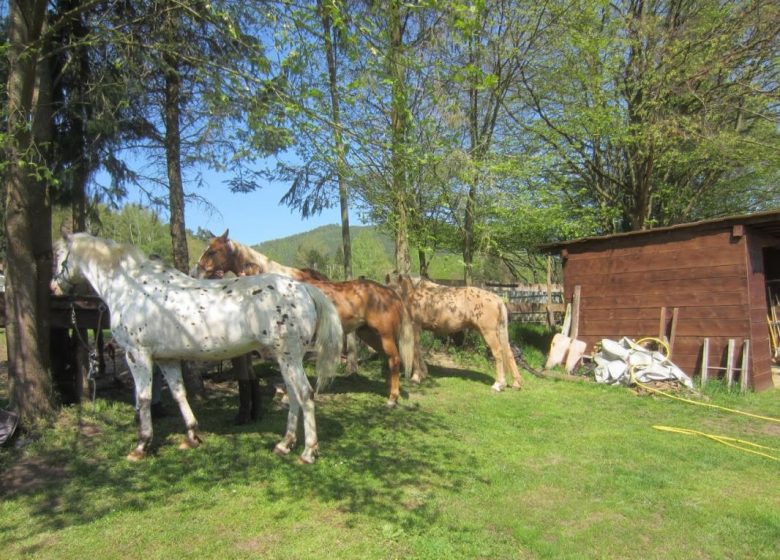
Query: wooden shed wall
x=626, y=282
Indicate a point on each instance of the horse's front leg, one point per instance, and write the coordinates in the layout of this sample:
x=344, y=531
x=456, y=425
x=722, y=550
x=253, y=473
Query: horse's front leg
x=141, y=368
x=172, y=371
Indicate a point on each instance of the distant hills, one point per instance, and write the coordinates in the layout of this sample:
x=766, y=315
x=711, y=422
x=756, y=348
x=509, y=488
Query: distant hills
x=373, y=253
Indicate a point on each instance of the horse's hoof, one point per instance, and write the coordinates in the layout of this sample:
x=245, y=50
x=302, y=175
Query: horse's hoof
x=309, y=455
x=190, y=443
x=416, y=378
x=281, y=450
x=517, y=386
x=498, y=387
x=391, y=403
x=136, y=455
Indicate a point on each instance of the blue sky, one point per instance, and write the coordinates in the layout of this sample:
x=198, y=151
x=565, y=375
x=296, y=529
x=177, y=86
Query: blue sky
x=252, y=217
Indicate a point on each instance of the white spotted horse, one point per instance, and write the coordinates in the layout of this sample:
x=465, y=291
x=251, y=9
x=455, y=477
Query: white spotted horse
x=160, y=315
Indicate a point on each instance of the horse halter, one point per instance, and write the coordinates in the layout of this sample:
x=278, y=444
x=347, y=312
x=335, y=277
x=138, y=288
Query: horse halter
x=61, y=277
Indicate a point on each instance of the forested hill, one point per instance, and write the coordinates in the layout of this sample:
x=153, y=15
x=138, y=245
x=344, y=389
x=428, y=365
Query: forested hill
x=324, y=238
x=372, y=253
x=321, y=248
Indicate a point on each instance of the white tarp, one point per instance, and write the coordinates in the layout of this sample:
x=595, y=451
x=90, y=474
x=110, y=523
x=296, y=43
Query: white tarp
x=616, y=362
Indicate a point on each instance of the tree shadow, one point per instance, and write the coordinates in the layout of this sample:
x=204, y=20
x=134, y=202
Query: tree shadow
x=372, y=460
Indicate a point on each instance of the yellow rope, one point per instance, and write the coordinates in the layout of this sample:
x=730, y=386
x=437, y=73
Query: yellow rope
x=731, y=442
x=735, y=411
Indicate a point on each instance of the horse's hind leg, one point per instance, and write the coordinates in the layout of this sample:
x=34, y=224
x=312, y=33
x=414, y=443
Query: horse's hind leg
x=509, y=359
x=301, y=398
x=172, y=372
x=493, y=341
x=249, y=407
x=290, y=436
x=394, y=370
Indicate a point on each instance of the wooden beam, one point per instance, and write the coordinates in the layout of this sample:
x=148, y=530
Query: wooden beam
x=705, y=358
x=673, y=329
x=737, y=231
x=575, y=312
x=662, y=324
x=744, y=373
x=730, y=363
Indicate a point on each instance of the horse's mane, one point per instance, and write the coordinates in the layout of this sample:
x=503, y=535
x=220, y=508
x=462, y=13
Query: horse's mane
x=266, y=264
x=107, y=252
x=252, y=256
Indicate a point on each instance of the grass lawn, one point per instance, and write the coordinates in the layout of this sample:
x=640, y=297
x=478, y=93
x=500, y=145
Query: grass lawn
x=558, y=470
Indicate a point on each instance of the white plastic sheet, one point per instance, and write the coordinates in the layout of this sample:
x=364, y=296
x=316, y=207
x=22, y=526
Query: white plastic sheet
x=617, y=362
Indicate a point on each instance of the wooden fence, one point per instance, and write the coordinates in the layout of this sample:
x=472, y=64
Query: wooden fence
x=526, y=303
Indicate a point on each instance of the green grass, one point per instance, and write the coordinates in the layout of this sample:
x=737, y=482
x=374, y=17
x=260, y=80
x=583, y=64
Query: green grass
x=559, y=470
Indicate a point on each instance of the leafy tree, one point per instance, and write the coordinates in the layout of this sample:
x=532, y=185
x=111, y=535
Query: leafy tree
x=370, y=259
x=654, y=113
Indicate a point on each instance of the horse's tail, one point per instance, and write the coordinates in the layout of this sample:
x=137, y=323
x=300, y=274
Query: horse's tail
x=328, y=338
x=406, y=341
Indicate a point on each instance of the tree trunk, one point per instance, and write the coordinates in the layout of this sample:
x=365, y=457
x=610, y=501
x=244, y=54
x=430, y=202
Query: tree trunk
x=341, y=166
x=423, y=263
x=27, y=219
x=172, y=115
x=338, y=139
x=399, y=116
x=474, y=140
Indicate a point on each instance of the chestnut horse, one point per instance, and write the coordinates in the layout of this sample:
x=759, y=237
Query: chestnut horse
x=446, y=310
x=373, y=311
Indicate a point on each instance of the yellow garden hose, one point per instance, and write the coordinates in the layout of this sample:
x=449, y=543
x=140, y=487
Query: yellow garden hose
x=731, y=442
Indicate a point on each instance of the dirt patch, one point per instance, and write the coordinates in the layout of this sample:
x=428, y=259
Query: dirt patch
x=30, y=475
x=441, y=359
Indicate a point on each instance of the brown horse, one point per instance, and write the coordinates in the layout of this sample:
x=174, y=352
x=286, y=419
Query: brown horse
x=373, y=311
x=447, y=310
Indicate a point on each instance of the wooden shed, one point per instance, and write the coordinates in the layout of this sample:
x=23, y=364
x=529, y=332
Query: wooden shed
x=715, y=281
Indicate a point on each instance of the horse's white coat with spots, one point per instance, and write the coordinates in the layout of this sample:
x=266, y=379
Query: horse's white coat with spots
x=159, y=314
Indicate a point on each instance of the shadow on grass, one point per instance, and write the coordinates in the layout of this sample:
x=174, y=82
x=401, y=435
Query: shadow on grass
x=482, y=378
x=375, y=461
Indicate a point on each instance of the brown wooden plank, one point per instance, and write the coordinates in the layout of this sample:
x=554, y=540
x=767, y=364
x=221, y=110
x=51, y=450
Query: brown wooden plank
x=655, y=245
x=587, y=274
x=704, y=298
x=680, y=257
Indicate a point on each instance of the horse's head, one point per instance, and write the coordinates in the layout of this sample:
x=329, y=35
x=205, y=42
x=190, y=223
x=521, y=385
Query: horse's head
x=62, y=271
x=217, y=259
x=69, y=254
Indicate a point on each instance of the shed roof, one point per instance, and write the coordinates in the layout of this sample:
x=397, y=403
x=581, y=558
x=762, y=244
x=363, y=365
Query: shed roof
x=767, y=222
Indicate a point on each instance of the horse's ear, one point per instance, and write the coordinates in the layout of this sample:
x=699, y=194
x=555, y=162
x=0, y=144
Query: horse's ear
x=224, y=236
